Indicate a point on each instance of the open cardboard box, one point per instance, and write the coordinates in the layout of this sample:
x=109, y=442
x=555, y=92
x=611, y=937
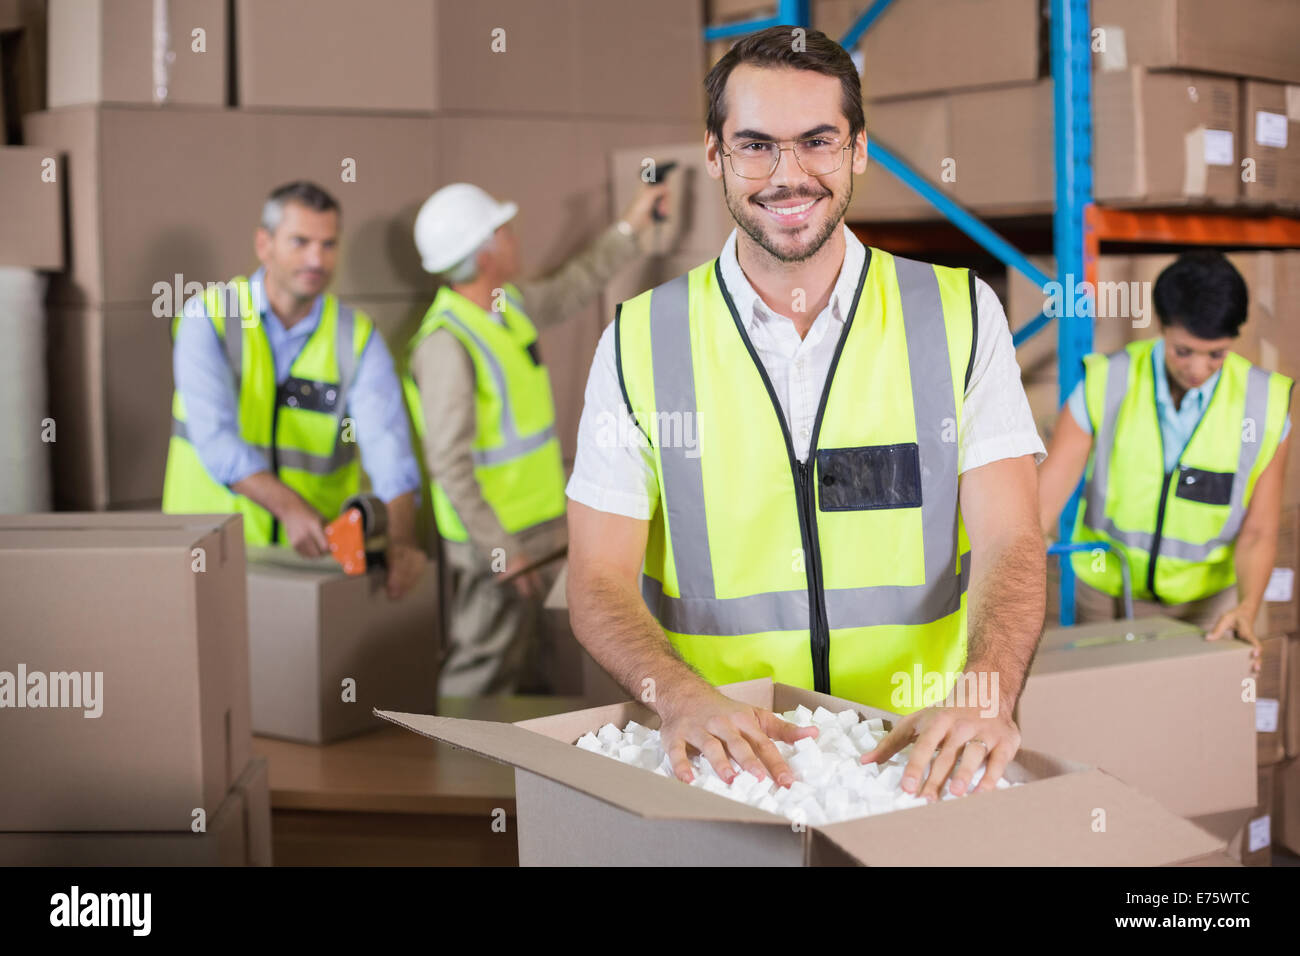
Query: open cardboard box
x=580, y=808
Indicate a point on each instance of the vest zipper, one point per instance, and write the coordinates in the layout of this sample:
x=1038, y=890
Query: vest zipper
x=820, y=634
x=1160, y=530
x=275, y=461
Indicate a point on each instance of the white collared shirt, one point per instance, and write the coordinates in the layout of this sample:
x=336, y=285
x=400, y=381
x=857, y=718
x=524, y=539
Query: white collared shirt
x=618, y=476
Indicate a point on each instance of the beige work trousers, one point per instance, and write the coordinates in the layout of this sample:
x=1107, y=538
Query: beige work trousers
x=498, y=642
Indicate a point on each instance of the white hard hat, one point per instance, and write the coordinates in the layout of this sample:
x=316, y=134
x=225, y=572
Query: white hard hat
x=455, y=221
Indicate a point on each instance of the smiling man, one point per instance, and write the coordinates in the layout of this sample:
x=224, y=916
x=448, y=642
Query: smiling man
x=1185, y=445
x=832, y=464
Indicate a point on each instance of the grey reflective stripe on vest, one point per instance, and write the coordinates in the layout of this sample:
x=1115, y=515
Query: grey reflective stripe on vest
x=699, y=610
x=344, y=453
x=1095, y=517
x=514, y=445
x=674, y=383
x=345, y=351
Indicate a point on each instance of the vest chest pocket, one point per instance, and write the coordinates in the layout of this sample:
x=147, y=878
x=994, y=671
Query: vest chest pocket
x=869, y=478
x=309, y=395
x=1206, y=487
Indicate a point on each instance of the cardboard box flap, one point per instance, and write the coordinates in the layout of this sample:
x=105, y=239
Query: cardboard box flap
x=631, y=788
x=1087, y=818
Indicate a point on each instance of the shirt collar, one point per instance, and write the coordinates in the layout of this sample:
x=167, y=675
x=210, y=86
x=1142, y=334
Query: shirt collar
x=750, y=307
x=305, y=327
x=1199, y=396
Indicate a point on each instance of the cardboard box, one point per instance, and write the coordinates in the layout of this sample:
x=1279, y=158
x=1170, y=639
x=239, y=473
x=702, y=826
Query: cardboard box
x=579, y=808
x=138, y=51
x=1270, y=133
x=313, y=629
x=22, y=64
x=1281, y=611
x=1245, y=38
x=1249, y=833
x=237, y=834
x=1286, y=805
x=497, y=56
x=927, y=47
x=1165, y=138
x=31, y=195
x=919, y=130
x=1161, y=710
x=1002, y=145
x=1271, y=703
x=1292, y=711
x=137, y=219
x=154, y=605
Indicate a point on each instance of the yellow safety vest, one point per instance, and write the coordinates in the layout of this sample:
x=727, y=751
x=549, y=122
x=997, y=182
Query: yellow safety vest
x=517, y=460
x=1177, y=529
x=298, y=426
x=846, y=573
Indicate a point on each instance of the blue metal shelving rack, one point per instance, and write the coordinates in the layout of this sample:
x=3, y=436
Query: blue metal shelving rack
x=1072, y=90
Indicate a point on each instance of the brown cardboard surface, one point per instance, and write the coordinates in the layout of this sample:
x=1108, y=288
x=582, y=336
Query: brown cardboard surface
x=928, y=47
x=311, y=627
x=1283, y=616
x=1151, y=137
x=102, y=51
x=172, y=646
x=1286, y=804
x=919, y=129
x=563, y=58
x=1164, y=712
x=137, y=218
x=1246, y=38
x=579, y=807
x=1273, y=110
x=1271, y=701
x=1002, y=145
x=1292, y=694
x=237, y=834
x=31, y=230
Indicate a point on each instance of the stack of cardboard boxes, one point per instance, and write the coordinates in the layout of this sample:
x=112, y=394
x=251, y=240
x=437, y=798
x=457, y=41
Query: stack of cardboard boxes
x=167, y=168
x=125, y=694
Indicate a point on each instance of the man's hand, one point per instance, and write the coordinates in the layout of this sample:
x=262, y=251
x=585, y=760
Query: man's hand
x=949, y=729
x=1241, y=620
x=529, y=585
x=405, y=566
x=654, y=195
x=723, y=730
x=304, y=528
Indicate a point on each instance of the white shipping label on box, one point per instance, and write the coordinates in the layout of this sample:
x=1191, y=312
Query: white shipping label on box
x=1270, y=129
x=1280, y=585
x=1258, y=831
x=1218, y=148
x=1266, y=709
x=1114, y=48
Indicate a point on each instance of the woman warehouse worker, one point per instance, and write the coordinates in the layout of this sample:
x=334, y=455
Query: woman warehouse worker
x=1185, y=446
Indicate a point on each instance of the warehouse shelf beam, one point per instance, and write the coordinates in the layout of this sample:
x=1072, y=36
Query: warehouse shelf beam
x=792, y=12
x=863, y=23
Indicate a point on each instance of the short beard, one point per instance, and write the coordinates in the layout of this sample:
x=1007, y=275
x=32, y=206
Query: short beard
x=741, y=213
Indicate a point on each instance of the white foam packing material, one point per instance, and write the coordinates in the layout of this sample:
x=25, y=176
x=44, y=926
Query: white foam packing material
x=831, y=784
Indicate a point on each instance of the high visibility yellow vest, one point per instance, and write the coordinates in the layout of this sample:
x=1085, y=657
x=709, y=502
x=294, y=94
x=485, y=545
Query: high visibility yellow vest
x=298, y=426
x=1177, y=529
x=517, y=460
x=846, y=574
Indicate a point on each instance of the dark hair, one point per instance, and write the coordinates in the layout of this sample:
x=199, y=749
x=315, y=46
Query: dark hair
x=1203, y=293
x=301, y=192
x=775, y=47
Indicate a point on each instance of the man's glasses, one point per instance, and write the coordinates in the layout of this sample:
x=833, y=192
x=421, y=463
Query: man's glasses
x=758, y=159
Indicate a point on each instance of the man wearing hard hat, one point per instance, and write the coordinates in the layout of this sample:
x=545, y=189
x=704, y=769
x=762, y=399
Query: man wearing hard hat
x=480, y=399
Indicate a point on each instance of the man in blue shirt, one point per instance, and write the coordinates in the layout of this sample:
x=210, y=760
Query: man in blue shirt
x=297, y=244
x=1201, y=303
